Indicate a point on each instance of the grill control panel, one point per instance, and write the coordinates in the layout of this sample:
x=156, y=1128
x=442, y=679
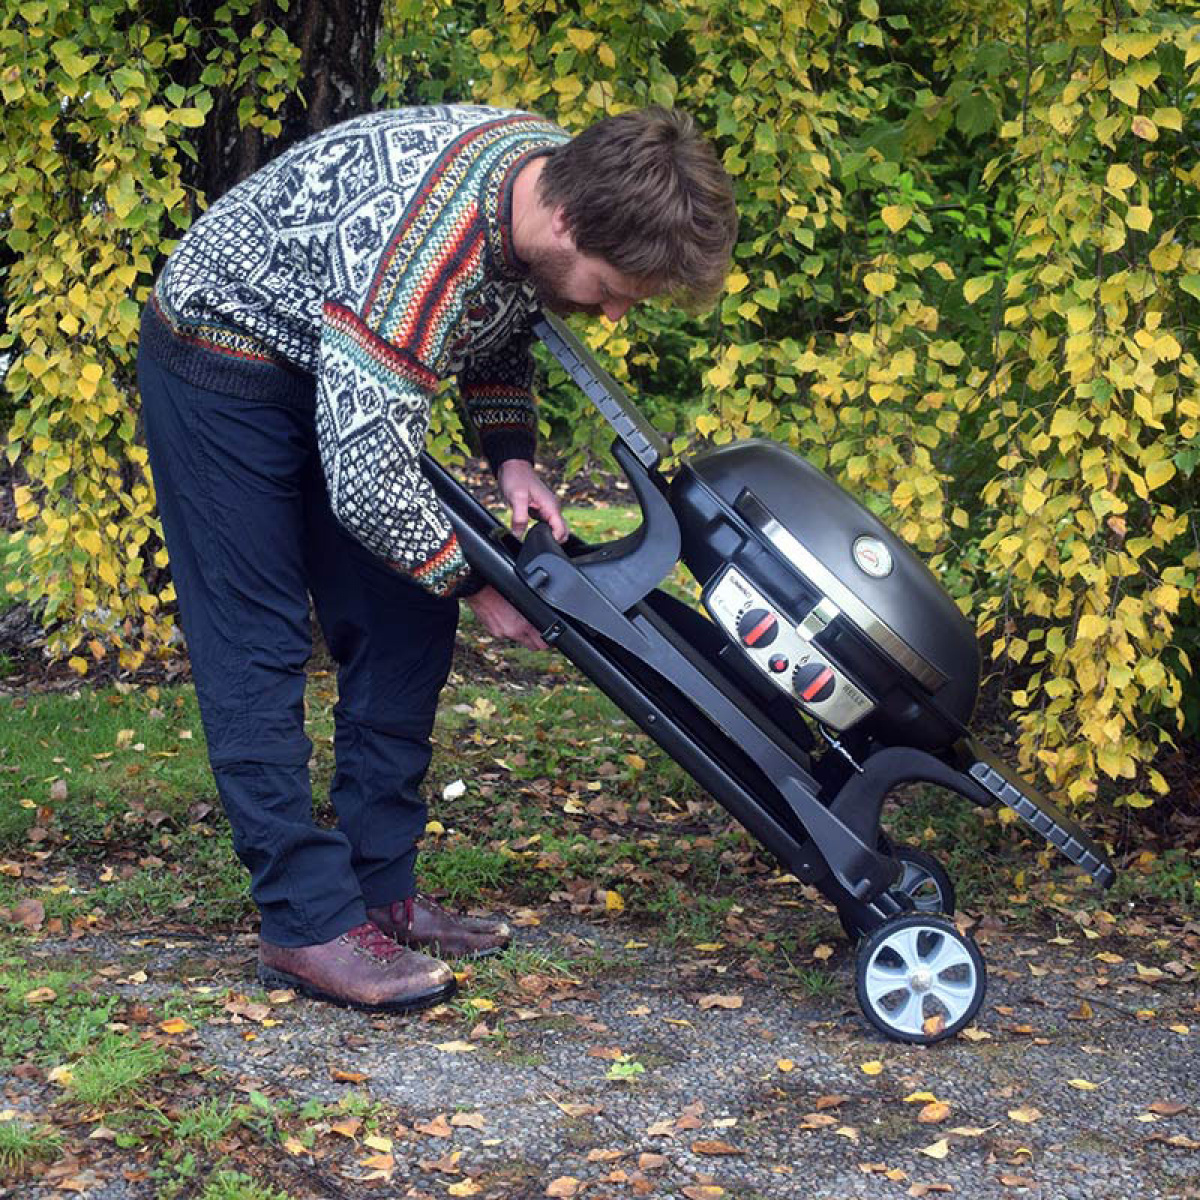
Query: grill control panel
x=785, y=653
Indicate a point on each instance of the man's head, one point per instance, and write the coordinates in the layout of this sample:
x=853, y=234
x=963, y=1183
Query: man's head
x=640, y=205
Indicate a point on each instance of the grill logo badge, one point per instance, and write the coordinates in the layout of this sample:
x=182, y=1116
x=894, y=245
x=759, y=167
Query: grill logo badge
x=872, y=557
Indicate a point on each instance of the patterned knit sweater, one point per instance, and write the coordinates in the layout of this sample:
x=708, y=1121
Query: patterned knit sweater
x=377, y=257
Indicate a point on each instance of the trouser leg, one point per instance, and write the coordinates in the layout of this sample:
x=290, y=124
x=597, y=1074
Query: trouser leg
x=392, y=641
x=230, y=475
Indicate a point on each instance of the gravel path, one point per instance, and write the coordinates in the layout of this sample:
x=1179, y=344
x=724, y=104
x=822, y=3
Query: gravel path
x=1081, y=1080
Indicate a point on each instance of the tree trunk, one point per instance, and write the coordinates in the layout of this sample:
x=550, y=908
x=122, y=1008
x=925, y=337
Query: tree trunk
x=338, y=77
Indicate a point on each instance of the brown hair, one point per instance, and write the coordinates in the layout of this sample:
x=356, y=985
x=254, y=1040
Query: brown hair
x=646, y=193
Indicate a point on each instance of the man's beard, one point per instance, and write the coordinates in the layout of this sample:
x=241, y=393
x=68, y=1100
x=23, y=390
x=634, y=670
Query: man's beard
x=548, y=273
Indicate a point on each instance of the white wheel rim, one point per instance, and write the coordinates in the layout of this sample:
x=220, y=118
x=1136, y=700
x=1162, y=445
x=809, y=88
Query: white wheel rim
x=921, y=887
x=898, y=991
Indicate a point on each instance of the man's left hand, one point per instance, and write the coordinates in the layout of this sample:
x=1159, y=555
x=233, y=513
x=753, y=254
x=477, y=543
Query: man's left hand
x=525, y=493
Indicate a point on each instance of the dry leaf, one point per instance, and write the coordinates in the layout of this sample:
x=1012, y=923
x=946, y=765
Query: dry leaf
x=822, y=952
x=605, y=1155
x=58, y=790
x=932, y=1113
x=439, y=1127
x=294, y=1146
x=661, y=1129
x=472, y=1120
x=1016, y=1181
x=382, y=1144
x=29, y=913
x=379, y=1162
x=923, y=1189
x=348, y=1076
x=464, y=1187
x=718, y=1001
x=651, y=1162
x=1025, y=1116
x=976, y=1035
x=1082, y=1085
x=815, y=1120
x=564, y=1185
x=938, y=1149
x=1167, y=1108
x=785, y=1064
x=703, y=1191
x=920, y=1097
x=174, y=1025
x=40, y=995
x=714, y=1147
x=834, y=1101
x=348, y=1128
x=874, y=1067
x=456, y=1047
x=1179, y=1140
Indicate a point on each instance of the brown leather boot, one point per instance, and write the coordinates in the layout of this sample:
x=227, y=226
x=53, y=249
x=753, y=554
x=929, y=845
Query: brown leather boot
x=363, y=968
x=422, y=923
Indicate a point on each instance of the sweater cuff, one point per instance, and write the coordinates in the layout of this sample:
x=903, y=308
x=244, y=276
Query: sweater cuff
x=499, y=447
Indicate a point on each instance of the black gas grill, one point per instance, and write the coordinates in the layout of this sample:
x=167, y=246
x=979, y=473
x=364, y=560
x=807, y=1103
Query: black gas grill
x=831, y=668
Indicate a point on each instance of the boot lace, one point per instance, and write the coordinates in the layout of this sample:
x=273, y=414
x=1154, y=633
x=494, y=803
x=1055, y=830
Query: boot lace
x=372, y=940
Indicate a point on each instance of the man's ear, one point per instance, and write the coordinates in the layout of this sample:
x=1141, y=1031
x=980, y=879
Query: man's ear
x=561, y=229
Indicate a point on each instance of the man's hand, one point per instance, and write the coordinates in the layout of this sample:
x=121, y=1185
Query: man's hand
x=502, y=620
x=525, y=493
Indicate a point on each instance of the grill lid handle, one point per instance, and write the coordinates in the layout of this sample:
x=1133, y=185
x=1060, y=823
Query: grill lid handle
x=602, y=390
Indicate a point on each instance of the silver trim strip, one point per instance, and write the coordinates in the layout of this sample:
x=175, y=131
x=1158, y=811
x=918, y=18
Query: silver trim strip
x=872, y=626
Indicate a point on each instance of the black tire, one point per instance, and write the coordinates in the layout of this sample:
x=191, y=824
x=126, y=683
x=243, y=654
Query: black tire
x=918, y=979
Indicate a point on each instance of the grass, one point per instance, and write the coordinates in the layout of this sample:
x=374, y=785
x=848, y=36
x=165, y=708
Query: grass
x=236, y=1185
x=23, y=1145
x=114, y=1071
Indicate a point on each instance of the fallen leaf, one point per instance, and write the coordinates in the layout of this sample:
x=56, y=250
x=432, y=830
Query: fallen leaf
x=709, y=947
x=661, y=1129
x=938, y=1149
x=281, y=996
x=651, y=1162
x=613, y=902
x=718, y=1001
x=1082, y=1085
x=439, y=1127
x=1016, y=1181
x=29, y=913
x=874, y=1067
x=379, y=1162
x=294, y=1146
x=1025, y=1116
x=1178, y=1140
x=1082, y=1013
x=40, y=995
x=933, y=1025
x=456, y=1047
x=564, y=1185
x=823, y=952
x=785, y=1064
x=703, y=1191
x=348, y=1128
x=714, y=1147
x=1185, y=1029
x=920, y=1097
x=1167, y=1108
x=815, y=1120
x=471, y=1120
x=932, y=1113
x=174, y=1025
x=605, y=1155
x=833, y=1101
x=348, y=1076
x=58, y=790
x=923, y=1189
x=464, y=1187
x=382, y=1144
x=976, y=1035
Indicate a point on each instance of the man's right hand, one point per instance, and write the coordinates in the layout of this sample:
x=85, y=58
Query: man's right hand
x=502, y=620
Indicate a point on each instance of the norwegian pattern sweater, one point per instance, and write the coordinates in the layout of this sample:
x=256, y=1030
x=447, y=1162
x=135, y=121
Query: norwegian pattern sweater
x=377, y=257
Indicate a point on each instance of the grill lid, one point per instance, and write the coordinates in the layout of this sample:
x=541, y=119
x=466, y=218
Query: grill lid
x=852, y=558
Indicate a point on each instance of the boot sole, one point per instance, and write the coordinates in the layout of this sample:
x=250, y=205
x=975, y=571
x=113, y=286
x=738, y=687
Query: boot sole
x=271, y=978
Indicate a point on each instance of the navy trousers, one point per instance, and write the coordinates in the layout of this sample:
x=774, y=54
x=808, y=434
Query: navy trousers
x=251, y=537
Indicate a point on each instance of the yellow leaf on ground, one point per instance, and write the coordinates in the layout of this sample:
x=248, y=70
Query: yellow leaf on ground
x=563, y=1186
x=458, y=1046
x=174, y=1025
x=874, y=1067
x=1082, y=1085
x=938, y=1149
x=465, y=1187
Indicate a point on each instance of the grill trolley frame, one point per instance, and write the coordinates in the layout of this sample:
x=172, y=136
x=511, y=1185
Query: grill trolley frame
x=688, y=685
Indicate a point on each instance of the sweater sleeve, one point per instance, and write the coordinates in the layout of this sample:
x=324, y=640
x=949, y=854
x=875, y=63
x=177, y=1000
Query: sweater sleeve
x=373, y=407
x=497, y=392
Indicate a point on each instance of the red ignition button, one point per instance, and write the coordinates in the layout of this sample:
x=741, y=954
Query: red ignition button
x=778, y=663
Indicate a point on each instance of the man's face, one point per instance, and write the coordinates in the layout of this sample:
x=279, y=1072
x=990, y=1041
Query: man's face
x=569, y=281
